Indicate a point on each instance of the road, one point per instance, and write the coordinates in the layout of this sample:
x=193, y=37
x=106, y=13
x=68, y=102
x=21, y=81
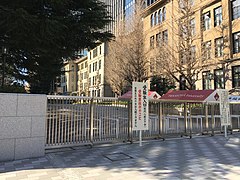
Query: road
x=201, y=157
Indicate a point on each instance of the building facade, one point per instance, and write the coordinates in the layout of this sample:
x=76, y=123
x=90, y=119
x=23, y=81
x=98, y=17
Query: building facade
x=215, y=28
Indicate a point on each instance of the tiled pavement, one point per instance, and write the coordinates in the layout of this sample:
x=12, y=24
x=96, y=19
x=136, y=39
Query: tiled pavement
x=197, y=158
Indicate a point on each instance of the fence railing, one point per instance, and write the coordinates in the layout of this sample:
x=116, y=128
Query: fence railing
x=73, y=120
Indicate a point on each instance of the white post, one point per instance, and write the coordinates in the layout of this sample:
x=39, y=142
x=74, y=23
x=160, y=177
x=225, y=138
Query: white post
x=140, y=138
x=225, y=130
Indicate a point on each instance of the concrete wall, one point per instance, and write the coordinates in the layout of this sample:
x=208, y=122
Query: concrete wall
x=22, y=126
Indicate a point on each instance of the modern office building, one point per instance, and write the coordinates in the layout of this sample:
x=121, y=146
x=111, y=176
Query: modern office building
x=215, y=26
x=116, y=11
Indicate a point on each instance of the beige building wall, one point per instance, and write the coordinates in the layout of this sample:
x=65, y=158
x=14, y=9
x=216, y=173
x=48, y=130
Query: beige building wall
x=82, y=76
x=227, y=61
x=69, y=78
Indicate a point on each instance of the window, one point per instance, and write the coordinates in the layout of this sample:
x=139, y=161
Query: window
x=158, y=39
x=99, y=64
x=160, y=16
x=236, y=42
x=156, y=18
x=218, y=79
x=182, y=4
x=183, y=59
x=182, y=85
x=152, y=42
x=90, y=55
x=100, y=78
x=82, y=66
x=206, y=50
x=219, y=47
x=235, y=76
x=193, y=26
x=89, y=68
x=94, y=82
x=94, y=52
x=165, y=36
x=218, y=16
x=193, y=53
x=100, y=50
x=206, y=80
x=184, y=31
x=192, y=2
x=89, y=81
x=235, y=9
x=152, y=20
x=96, y=66
x=85, y=64
x=206, y=20
x=163, y=14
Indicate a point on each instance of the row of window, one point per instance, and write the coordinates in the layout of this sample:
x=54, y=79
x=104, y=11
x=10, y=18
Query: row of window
x=206, y=18
x=161, y=38
x=219, y=46
x=83, y=65
x=149, y=2
x=158, y=17
x=95, y=52
x=94, y=66
x=218, y=77
x=83, y=75
x=218, y=17
x=95, y=80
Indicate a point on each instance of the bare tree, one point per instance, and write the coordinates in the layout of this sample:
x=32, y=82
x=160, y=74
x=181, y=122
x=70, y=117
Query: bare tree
x=182, y=60
x=126, y=59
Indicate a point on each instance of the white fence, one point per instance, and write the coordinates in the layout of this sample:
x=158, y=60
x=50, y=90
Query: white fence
x=75, y=120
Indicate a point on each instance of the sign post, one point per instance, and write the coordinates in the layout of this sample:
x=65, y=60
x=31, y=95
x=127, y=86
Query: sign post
x=224, y=109
x=140, y=108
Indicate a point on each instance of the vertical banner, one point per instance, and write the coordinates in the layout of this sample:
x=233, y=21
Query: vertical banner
x=139, y=106
x=224, y=107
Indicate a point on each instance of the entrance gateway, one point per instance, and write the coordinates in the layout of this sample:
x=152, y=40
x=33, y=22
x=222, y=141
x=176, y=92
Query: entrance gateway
x=207, y=97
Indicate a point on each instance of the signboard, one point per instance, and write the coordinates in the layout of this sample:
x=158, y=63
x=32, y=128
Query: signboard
x=189, y=96
x=224, y=107
x=234, y=99
x=139, y=106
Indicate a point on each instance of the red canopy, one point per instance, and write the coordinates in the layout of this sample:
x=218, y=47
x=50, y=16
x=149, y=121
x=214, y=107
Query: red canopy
x=151, y=95
x=191, y=96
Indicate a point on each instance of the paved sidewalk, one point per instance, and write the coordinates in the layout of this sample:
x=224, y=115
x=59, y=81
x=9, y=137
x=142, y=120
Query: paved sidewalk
x=197, y=158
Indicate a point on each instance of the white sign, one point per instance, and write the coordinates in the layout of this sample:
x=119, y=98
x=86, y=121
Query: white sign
x=139, y=106
x=224, y=107
x=234, y=99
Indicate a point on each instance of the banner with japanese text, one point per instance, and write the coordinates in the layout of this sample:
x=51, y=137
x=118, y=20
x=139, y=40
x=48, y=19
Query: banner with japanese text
x=139, y=106
x=224, y=107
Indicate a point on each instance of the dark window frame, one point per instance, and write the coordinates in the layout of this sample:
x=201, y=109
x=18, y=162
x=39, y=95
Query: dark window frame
x=206, y=80
x=208, y=20
x=236, y=42
x=235, y=81
x=219, y=47
x=219, y=80
x=235, y=9
x=217, y=22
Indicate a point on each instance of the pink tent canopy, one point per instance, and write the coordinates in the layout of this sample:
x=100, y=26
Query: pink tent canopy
x=151, y=95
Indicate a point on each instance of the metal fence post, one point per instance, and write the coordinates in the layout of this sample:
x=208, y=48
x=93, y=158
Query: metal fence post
x=161, y=121
x=191, y=122
x=130, y=134
x=212, y=118
x=185, y=117
x=91, y=120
